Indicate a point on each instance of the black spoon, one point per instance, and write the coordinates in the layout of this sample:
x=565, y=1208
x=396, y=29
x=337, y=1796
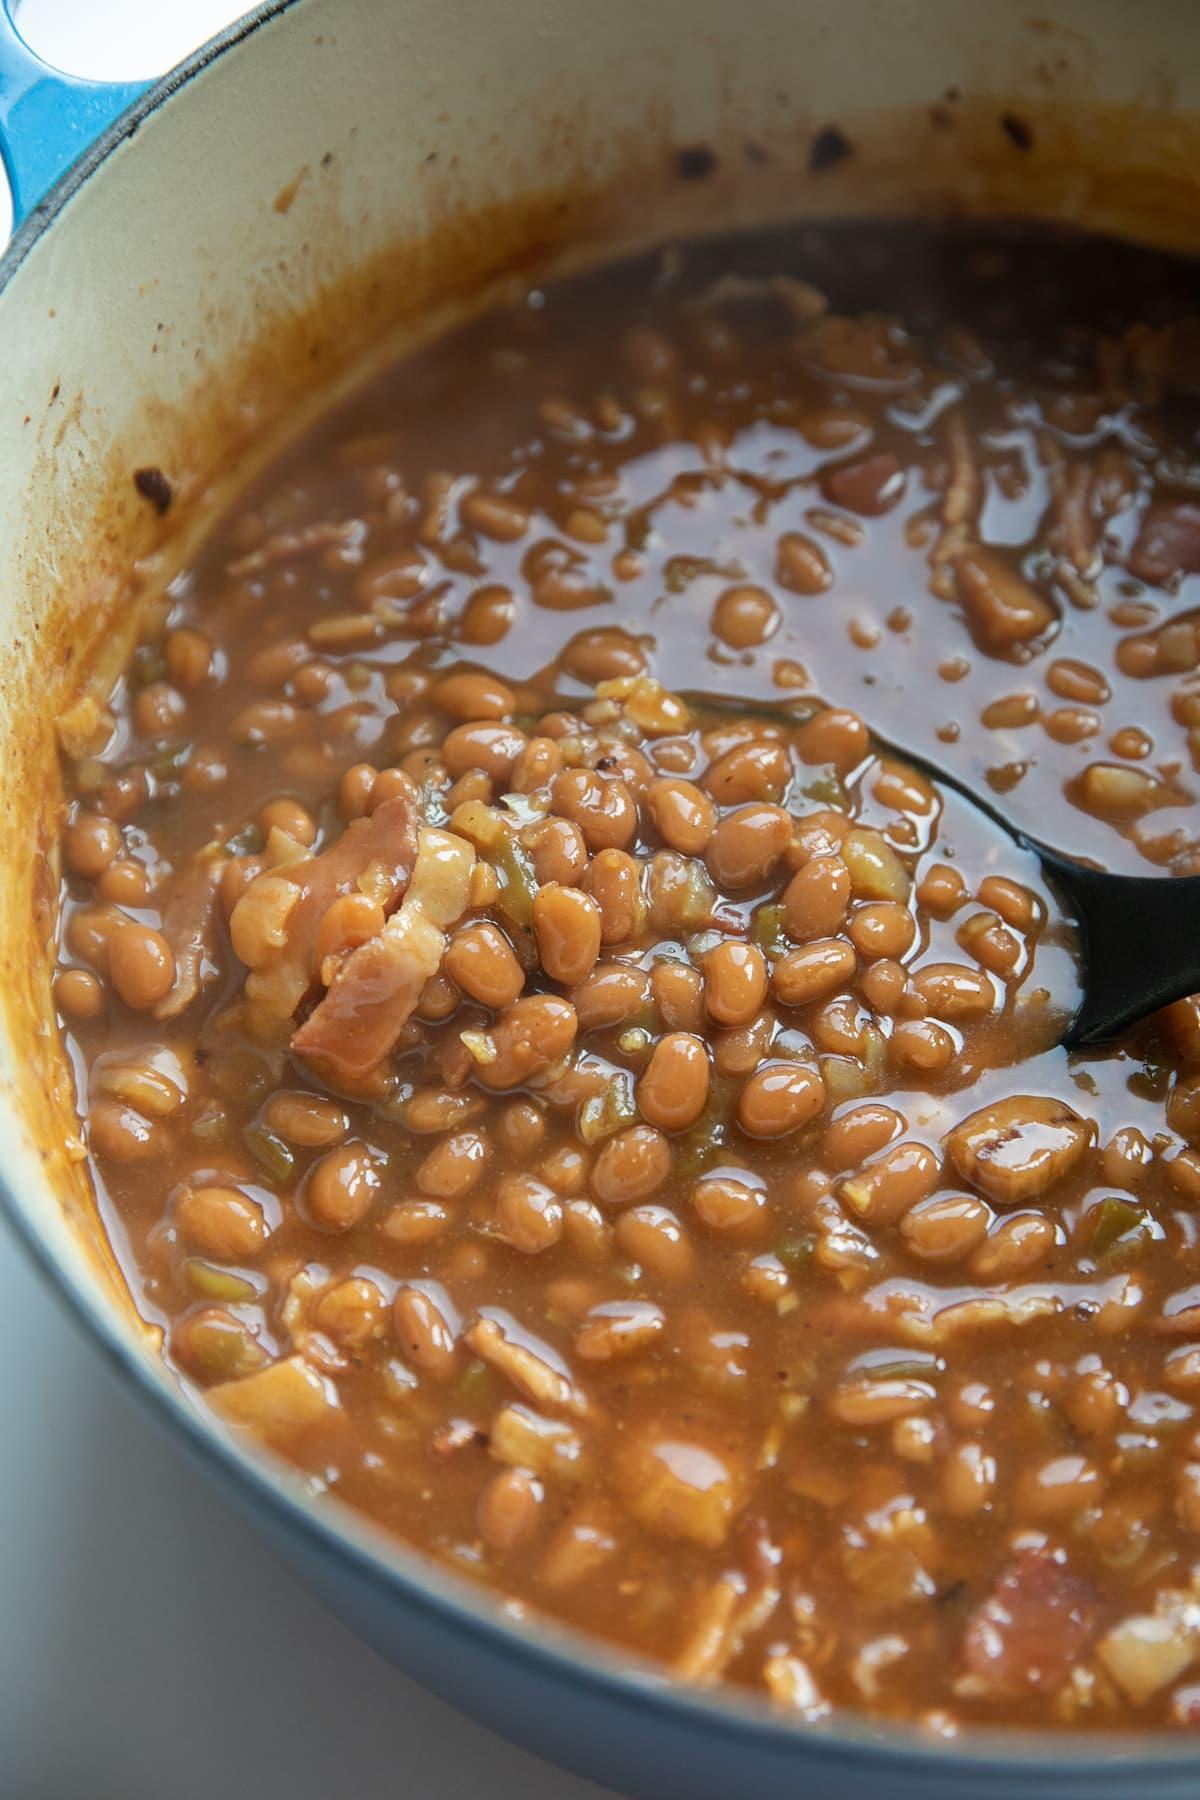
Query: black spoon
x=1138, y=935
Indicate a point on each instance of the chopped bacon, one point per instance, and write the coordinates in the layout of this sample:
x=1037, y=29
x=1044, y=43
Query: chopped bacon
x=1168, y=543
x=869, y=487
x=373, y=994
x=378, y=851
x=1032, y=1628
x=190, y=927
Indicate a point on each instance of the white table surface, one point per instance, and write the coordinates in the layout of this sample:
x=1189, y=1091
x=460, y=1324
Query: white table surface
x=150, y=1648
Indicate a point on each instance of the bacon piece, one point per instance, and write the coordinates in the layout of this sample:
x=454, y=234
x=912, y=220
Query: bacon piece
x=373, y=855
x=1168, y=542
x=1033, y=1627
x=190, y=927
x=870, y=487
x=372, y=996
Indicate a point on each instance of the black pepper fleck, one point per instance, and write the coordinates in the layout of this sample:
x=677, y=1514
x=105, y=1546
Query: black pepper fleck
x=153, y=485
x=1018, y=130
x=830, y=147
x=695, y=162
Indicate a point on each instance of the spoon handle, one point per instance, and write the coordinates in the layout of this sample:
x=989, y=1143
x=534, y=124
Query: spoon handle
x=1139, y=938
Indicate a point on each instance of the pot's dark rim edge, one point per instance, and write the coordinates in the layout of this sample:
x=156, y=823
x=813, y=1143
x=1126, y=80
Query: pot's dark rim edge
x=989, y=1754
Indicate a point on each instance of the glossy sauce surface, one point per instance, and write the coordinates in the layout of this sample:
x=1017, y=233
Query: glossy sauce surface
x=549, y=1072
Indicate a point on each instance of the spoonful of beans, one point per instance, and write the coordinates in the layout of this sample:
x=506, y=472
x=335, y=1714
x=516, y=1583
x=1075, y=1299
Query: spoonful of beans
x=1137, y=936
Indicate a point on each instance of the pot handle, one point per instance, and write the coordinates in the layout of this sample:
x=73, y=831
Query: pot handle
x=47, y=119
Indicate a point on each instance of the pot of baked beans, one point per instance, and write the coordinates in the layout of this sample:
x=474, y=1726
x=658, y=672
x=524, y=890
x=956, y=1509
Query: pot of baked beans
x=504, y=1042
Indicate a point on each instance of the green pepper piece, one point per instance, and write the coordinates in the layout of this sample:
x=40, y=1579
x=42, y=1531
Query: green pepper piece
x=269, y=1149
x=1117, y=1221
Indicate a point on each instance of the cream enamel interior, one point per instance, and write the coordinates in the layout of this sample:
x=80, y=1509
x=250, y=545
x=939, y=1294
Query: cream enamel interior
x=349, y=164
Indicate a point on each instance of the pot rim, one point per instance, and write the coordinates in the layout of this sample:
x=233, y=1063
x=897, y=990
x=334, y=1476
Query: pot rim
x=544, y=1645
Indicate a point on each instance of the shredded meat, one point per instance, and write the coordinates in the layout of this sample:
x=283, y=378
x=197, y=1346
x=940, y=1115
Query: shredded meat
x=372, y=855
x=1168, y=543
x=373, y=994
x=1032, y=1628
x=190, y=927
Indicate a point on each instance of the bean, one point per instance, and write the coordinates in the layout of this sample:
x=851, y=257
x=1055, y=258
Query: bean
x=339, y=1190
x=189, y=657
x=158, y=710
x=558, y=850
x=990, y=943
x=778, y=1099
x=258, y=923
x=124, y=883
x=141, y=965
x=528, y=1214
x=673, y=1090
x=726, y=1204
x=78, y=995
x=941, y=890
x=536, y=767
x=923, y=1045
x=748, y=844
x=1016, y=1149
x=488, y=615
x=857, y=1133
x=739, y=1049
x=522, y=1128
x=566, y=927
x=968, y=1479
x=495, y=515
x=678, y=993
x=682, y=814
x=946, y=1228
x=427, y=1331
x=883, y=929
x=1013, y=1246
x=885, y=1189
x=613, y=994
x=508, y=1510
x=749, y=772
x=454, y=1166
x=480, y=960
x=745, y=617
x=883, y=985
x=118, y=1133
x=1057, y=1489
x=565, y=1170
x=834, y=736
x=619, y=1328
x=601, y=806
x=490, y=747
x=528, y=1038
x=602, y=655
x=735, y=982
x=287, y=815
x=353, y=919
x=816, y=899
x=472, y=695
x=632, y=1166
x=613, y=881
x=814, y=972
x=679, y=895
x=415, y=1222
x=1016, y=905
x=801, y=565
x=221, y=1222
x=864, y=1402
x=89, y=844
x=351, y=1312
x=955, y=992
x=652, y=1235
